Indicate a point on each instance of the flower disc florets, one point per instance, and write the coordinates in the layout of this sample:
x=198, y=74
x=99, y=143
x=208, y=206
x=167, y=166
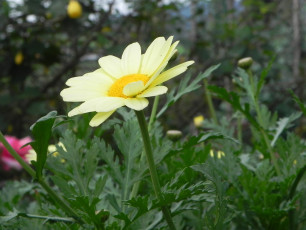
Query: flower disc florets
x=116, y=90
x=124, y=82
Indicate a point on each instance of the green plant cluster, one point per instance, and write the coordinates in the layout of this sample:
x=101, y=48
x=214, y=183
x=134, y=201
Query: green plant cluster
x=56, y=47
x=258, y=183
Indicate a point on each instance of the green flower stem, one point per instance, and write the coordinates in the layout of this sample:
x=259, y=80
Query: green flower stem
x=152, y=168
x=251, y=78
x=239, y=129
x=153, y=113
x=50, y=218
x=136, y=186
x=239, y=123
x=16, y=156
x=65, y=206
x=210, y=103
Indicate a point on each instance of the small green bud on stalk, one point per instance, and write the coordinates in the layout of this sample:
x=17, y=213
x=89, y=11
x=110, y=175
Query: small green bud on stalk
x=245, y=63
x=174, y=135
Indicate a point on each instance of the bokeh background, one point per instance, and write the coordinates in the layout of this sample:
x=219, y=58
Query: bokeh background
x=42, y=45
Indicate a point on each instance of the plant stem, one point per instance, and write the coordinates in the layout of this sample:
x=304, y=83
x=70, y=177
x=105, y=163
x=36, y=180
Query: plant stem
x=291, y=194
x=50, y=218
x=148, y=149
x=136, y=186
x=153, y=113
x=210, y=103
x=239, y=129
x=64, y=205
x=16, y=156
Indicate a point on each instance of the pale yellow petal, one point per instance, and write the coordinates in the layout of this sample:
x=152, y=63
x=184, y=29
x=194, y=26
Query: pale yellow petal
x=133, y=88
x=101, y=104
x=154, y=91
x=163, y=64
x=96, y=77
x=109, y=103
x=74, y=112
x=111, y=65
x=171, y=73
x=155, y=75
x=131, y=58
x=99, y=118
x=78, y=94
x=169, y=54
x=153, y=56
x=136, y=103
x=91, y=85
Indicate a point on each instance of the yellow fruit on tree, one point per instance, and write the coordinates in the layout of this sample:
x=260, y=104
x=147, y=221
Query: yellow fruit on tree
x=19, y=58
x=74, y=9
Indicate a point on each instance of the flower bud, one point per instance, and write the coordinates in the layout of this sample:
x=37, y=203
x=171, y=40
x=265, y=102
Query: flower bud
x=174, y=135
x=245, y=63
x=19, y=58
x=198, y=121
x=106, y=29
x=220, y=154
x=48, y=15
x=74, y=9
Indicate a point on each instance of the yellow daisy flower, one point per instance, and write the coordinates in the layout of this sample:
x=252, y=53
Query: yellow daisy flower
x=124, y=82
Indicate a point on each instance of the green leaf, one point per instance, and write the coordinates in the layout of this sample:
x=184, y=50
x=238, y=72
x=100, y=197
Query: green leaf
x=234, y=99
x=216, y=135
x=299, y=102
x=129, y=142
x=184, y=88
x=89, y=212
x=100, y=185
x=141, y=203
x=282, y=124
x=8, y=217
x=41, y=131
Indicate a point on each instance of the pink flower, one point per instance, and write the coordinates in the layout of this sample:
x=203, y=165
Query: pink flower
x=6, y=159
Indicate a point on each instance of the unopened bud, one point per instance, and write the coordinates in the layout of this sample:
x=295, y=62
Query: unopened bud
x=198, y=121
x=211, y=152
x=19, y=58
x=245, y=63
x=220, y=154
x=174, y=135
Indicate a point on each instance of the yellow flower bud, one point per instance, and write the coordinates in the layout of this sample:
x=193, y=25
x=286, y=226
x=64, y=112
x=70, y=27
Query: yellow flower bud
x=31, y=156
x=220, y=154
x=198, y=121
x=211, y=152
x=106, y=29
x=48, y=15
x=19, y=58
x=74, y=9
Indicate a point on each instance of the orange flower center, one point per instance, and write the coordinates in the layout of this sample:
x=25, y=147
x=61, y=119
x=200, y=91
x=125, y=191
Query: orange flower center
x=116, y=90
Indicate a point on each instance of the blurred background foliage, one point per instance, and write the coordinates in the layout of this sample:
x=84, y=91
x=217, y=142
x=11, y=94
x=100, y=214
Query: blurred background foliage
x=41, y=46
